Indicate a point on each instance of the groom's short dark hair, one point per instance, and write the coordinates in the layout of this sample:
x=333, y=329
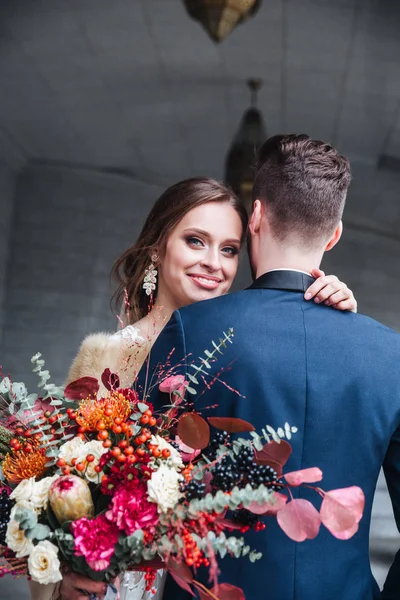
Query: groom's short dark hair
x=303, y=184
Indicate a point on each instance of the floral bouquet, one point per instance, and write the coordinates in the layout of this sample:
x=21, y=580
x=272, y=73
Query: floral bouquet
x=103, y=485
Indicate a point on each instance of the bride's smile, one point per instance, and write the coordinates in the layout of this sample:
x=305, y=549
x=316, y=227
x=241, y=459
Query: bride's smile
x=205, y=281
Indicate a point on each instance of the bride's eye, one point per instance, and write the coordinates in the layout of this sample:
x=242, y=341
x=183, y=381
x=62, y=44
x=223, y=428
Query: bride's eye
x=194, y=241
x=231, y=250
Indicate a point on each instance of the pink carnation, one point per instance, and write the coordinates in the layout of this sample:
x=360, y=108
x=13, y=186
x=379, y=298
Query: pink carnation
x=174, y=383
x=95, y=539
x=131, y=510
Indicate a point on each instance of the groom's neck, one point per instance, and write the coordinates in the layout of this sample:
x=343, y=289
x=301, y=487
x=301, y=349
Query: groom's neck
x=284, y=257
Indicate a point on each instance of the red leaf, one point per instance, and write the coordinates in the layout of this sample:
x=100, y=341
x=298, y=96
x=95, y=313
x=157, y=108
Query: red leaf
x=341, y=511
x=193, y=430
x=181, y=573
x=230, y=524
x=267, y=508
x=207, y=479
x=347, y=533
x=299, y=520
x=110, y=380
x=274, y=455
x=223, y=591
x=82, y=388
x=230, y=424
x=311, y=475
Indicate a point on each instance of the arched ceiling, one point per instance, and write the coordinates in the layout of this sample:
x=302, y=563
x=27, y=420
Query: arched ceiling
x=138, y=85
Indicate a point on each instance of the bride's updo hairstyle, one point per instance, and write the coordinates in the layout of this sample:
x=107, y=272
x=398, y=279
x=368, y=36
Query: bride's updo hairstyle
x=167, y=212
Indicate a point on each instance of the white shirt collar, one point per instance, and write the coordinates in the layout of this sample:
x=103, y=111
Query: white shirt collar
x=285, y=269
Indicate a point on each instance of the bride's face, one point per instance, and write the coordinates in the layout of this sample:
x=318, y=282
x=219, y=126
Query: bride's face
x=201, y=256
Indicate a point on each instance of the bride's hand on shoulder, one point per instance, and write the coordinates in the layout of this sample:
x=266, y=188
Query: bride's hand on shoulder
x=327, y=289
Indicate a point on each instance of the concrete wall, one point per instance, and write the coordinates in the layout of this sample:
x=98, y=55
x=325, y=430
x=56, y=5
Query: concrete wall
x=69, y=227
x=7, y=185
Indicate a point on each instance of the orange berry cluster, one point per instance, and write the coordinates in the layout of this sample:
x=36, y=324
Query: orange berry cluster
x=187, y=471
x=72, y=416
x=27, y=438
x=27, y=444
x=66, y=469
x=193, y=555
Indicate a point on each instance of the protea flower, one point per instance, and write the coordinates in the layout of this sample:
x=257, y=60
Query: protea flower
x=70, y=498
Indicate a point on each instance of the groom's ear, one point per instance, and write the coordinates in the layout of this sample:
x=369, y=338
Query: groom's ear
x=335, y=238
x=255, y=217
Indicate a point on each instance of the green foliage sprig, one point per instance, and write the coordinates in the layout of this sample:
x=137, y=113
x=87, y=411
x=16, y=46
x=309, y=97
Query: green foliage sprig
x=205, y=360
x=237, y=498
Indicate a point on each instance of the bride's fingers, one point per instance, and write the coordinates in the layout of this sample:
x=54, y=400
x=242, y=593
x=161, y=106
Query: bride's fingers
x=316, y=289
x=343, y=300
x=343, y=294
x=349, y=305
x=317, y=273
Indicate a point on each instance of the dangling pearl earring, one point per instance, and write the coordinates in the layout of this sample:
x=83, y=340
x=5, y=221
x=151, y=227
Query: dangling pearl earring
x=150, y=277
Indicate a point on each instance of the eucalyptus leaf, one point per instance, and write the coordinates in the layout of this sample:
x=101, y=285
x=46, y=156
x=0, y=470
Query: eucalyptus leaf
x=40, y=532
x=56, y=402
x=136, y=416
x=18, y=391
x=26, y=518
x=5, y=385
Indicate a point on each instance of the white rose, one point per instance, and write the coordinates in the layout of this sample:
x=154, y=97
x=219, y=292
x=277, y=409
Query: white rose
x=16, y=538
x=97, y=449
x=71, y=449
x=40, y=492
x=163, y=488
x=23, y=491
x=43, y=563
x=174, y=460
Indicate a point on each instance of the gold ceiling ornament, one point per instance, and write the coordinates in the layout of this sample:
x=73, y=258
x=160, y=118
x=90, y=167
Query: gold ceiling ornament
x=220, y=17
x=242, y=155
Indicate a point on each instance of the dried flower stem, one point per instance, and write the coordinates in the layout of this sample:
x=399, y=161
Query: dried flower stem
x=202, y=587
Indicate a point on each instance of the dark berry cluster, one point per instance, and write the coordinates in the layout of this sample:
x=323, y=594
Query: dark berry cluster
x=244, y=460
x=262, y=474
x=245, y=517
x=253, y=473
x=225, y=475
x=194, y=489
x=220, y=438
x=5, y=509
x=241, y=471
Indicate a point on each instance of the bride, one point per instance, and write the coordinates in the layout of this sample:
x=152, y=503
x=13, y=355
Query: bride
x=187, y=251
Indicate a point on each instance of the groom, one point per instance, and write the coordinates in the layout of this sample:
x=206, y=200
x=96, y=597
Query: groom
x=333, y=375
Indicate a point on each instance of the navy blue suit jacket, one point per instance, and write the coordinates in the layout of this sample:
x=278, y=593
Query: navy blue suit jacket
x=336, y=376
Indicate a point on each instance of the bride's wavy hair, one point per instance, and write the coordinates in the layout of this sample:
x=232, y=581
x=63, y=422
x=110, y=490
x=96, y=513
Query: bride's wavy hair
x=129, y=270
